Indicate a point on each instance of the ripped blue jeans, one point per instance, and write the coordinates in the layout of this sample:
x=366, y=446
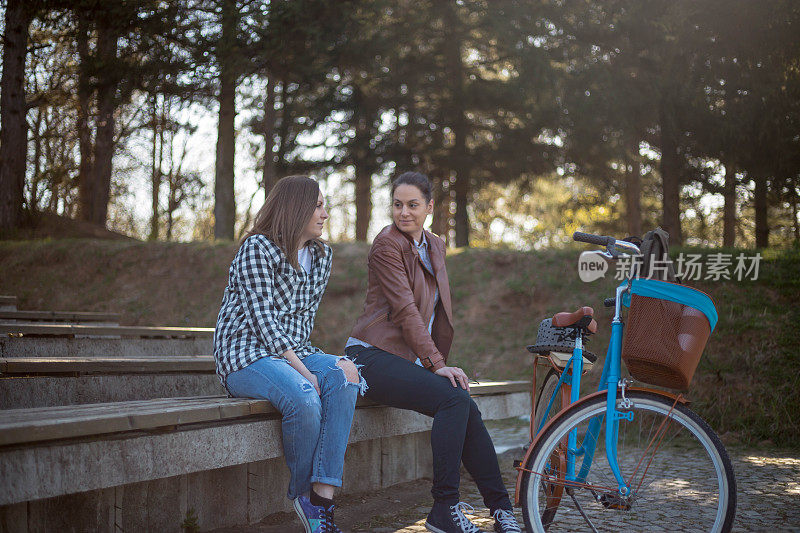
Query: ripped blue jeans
x=315, y=428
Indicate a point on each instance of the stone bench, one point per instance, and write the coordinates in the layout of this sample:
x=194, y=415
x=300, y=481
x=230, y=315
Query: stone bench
x=27, y=382
x=8, y=317
x=8, y=303
x=145, y=465
x=26, y=340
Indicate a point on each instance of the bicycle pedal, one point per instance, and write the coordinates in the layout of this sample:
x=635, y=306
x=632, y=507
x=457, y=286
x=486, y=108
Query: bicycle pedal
x=614, y=501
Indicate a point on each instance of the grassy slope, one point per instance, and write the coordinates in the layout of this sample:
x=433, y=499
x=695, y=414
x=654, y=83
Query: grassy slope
x=499, y=299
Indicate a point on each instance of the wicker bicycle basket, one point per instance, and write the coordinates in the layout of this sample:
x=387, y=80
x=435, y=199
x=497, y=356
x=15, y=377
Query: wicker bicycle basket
x=664, y=338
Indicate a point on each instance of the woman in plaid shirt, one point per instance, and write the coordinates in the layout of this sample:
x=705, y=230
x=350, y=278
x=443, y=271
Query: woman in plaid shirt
x=262, y=348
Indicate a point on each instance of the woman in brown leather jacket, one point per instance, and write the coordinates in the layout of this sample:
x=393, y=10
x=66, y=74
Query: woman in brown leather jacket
x=403, y=338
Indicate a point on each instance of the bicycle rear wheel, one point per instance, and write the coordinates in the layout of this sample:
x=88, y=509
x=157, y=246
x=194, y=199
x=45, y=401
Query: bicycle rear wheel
x=675, y=464
x=542, y=401
x=549, y=386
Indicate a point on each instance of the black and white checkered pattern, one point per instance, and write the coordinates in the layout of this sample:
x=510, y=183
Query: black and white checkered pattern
x=268, y=307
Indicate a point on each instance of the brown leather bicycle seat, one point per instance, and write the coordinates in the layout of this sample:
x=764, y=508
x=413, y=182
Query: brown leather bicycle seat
x=561, y=320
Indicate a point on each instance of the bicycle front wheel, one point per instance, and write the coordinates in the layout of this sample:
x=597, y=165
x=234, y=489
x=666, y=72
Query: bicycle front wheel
x=678, y=470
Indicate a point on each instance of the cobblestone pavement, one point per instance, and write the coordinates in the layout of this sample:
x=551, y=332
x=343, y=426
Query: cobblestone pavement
x=768, y=501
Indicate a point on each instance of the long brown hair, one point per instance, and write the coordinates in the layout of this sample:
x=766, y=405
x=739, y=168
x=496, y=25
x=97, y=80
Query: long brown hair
x=285, y=214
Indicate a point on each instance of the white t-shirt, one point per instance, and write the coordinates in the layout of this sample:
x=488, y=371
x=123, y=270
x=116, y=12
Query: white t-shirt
x=304, y=258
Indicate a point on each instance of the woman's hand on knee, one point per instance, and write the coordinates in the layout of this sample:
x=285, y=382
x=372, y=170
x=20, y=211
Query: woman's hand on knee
x=314, y=381
x=298, y=365
x=456, y=376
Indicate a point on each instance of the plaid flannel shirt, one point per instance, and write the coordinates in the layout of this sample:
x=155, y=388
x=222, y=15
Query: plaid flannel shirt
x=268, y=307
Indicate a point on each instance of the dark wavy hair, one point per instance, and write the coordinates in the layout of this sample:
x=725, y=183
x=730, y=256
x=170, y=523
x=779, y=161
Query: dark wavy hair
x=418, y=180
x=286, y=212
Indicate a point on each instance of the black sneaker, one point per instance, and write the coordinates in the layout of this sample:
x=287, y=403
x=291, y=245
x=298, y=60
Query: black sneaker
x=445, y=518
x=505, y=521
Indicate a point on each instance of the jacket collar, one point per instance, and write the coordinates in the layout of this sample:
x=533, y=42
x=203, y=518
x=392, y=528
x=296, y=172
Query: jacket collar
x=398, y=233
x=437, y=262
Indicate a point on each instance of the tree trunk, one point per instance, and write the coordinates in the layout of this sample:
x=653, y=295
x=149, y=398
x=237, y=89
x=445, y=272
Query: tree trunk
x=461, y=188
x=633, y=197
x=363, y=162
x=283, y=130
x=269, y=177
x=172, y=206
x=104, y=139
x=729, y=210
x=440, y=224
x=459, y=161
x=761, y=205
x=795, y=222
x=36, y=138
x=13, y=126
x=86, y=178
x=224, y=203
x=57, y=188
x=155, y=172
x=670, y=177
x=363, y=182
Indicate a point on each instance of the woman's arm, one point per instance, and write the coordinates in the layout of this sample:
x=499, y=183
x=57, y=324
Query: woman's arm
x=257, y=285
x=296, y=363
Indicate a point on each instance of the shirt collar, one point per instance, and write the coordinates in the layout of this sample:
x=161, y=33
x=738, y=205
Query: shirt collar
x=423, y=241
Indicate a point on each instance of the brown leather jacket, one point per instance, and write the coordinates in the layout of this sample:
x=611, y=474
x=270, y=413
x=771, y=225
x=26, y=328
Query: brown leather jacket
x=399, y=302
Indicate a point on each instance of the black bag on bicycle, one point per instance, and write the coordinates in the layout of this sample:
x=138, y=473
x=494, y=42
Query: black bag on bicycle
x=654, y=263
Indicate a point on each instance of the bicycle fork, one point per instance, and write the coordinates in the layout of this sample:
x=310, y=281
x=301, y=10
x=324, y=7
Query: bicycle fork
x=612, y=415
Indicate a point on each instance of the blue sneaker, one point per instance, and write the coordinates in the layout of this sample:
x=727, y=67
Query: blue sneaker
x=315, y=519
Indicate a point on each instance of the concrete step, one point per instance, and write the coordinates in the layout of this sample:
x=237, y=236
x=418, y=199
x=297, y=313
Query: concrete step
x=72, y=330
x=36, y=425
x=27, y=382
x=80, y=366
x=35, y=382
x=141, y=466
x=8, y=317
x=8, y=303
x=24, y=340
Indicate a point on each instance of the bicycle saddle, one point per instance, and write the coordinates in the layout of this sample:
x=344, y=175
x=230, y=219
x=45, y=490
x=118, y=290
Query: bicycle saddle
x=550, y=339
x=561, y=320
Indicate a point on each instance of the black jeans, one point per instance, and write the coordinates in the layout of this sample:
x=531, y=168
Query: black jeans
x=458, y=432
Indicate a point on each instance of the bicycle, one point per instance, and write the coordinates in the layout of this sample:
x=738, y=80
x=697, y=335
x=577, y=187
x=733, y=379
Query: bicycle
x=625, y=457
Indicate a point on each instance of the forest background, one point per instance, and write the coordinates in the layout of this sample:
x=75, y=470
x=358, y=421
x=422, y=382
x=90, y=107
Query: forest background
x=169, y=120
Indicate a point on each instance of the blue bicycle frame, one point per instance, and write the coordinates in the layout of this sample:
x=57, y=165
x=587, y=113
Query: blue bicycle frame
x=609, y=380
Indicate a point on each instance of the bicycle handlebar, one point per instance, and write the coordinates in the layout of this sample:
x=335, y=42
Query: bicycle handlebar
x=613, y=246
x=593, y=239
